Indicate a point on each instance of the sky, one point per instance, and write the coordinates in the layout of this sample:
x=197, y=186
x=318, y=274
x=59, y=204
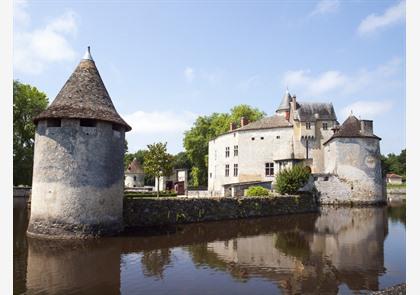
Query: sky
x=166, y=62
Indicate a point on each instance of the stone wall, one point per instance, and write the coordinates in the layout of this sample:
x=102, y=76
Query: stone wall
x=164, y=211
x=74, y=190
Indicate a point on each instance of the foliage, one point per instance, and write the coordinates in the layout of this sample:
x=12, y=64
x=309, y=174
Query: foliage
x=157, y=161
x=206, y=128
x=289, y=181
x=256, y=191
x=394, y=185
x=394, y=164
x=195, y=174
x=182, y=161
x=28, y=102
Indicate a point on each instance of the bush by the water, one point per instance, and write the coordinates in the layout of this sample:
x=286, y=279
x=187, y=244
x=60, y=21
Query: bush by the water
x=289, y=181
x=256, y=191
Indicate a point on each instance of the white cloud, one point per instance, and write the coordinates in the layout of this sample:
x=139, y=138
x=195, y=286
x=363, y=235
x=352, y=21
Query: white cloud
x=366, y=109
x=249, y=83
x=315, y=85
x=158, y=126
x=337, y=83
x=35, y=49
x=159, y=121
x=325, y=6
x=189, y=74
x=393, y=15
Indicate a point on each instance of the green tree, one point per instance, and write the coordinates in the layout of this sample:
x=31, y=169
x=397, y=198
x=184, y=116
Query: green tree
x=206, y=128
x=28, y=102
x=157, y=161
x=289, y=181
x=394, y=163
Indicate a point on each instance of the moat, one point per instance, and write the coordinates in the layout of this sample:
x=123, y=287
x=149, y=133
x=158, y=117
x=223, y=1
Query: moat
x=336, y=251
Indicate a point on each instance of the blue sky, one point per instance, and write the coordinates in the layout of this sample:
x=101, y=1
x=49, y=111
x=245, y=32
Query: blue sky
x=165, y=63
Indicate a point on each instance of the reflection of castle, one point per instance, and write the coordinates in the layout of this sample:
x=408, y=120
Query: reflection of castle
x=346, y=246
x=307, y=253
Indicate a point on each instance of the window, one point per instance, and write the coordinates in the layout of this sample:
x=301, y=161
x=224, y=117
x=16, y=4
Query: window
x=135, y=178
x=53, y=123
x=269, y=169
x=235, y=169
x=308, y=125
x=278, y=136
x=227, y=170
x=211, y=174
x=235, y=150
x=87, y=123
x=227, y=152
x=262, y=138
x=325, y=126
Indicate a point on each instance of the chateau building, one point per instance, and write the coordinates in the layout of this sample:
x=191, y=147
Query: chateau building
x=304, y=133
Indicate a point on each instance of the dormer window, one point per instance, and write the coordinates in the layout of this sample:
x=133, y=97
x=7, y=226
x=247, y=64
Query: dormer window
x=308, y=125
x=325, y=126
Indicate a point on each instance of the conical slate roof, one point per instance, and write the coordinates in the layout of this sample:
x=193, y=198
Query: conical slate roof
x=351, y=128
x=285, y=103
x=84, y=96
x=134, y=167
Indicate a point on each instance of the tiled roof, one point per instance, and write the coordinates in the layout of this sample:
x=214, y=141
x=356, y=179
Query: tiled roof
x=266, y=123
x=84, y=96
x=134, y=167
x=314, y=111
x=393, y=175
x=351, y=128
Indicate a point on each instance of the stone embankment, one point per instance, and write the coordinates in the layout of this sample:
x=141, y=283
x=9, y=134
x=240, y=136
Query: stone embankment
x=164, y=211
x=396, y=194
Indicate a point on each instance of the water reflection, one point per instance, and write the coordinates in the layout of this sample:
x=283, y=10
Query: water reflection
x=305, y=253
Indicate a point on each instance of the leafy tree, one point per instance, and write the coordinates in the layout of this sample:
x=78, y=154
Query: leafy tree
x=28, y=102
x=289, y=181
x=206, y=128
x=157, y=161
x=394, y=163
x=182, y=161
x=195, y=176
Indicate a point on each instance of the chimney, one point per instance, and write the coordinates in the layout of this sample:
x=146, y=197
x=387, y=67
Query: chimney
x=244, y=121
x=232, y=126
x=366, y=127
x=293, y=103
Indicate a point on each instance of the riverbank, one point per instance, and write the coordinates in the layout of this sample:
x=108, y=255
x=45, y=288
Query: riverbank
x=394, y=290
x=165, y=211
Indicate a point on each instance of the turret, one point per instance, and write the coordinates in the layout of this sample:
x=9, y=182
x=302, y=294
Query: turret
x=78, y=176
x=284, y=107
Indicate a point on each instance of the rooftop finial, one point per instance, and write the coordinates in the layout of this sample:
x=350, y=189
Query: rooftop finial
x=87, y=54
x=351, y=112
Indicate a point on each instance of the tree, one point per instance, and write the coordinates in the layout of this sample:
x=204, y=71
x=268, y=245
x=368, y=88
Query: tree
x=289, y=181
x=157, y=161
x=394, y=163
x=206, y=128
x=28, y=102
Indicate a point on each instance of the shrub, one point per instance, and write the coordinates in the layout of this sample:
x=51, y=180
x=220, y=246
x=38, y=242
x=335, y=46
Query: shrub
x=289, y=181
x=256, y=191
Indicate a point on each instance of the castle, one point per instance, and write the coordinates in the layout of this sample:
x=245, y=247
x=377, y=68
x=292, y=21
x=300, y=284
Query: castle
x=78, y=179
x=344, y=160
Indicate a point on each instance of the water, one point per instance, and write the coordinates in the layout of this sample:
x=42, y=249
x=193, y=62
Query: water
x=338, y=251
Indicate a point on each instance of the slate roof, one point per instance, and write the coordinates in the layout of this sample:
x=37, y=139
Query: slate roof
x=84, y=96
x=285, y=103
x=307, y=111
x=134, y=167
x=351, y=128
x=267, y=123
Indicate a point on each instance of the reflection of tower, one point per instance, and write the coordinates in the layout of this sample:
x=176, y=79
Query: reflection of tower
x=353, y=239
x=77, y=186
x=20, y=253
x=57, y=267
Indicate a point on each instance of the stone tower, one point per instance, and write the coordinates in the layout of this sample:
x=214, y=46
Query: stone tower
x=353, y=155
x=78, y=177
x=134, y=175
